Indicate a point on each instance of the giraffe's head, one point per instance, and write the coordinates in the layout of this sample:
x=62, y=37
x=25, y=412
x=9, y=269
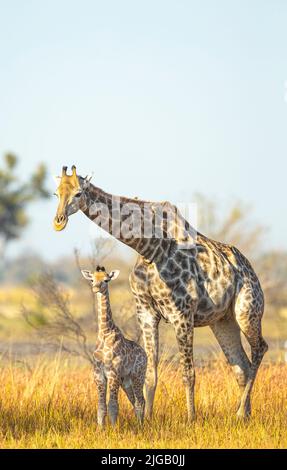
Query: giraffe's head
x=71, y=194
x=99, y=279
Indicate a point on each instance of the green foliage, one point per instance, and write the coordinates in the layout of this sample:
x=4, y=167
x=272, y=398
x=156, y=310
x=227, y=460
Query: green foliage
x=15, y=195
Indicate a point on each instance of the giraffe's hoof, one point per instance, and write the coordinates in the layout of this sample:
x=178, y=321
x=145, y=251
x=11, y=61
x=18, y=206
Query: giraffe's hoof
x=191, y=418
x=242, y=415
x=148, y=415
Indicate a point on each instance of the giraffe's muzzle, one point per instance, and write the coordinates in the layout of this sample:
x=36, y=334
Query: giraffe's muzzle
x=60, y=222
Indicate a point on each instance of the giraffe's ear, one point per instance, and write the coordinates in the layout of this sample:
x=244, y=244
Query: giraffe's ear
x=89, y=177
x=57, y=180
x=114, y=274
x=87, y=274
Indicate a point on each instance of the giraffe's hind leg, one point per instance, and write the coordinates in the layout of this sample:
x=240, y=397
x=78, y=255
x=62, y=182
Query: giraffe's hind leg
x=227, y=333
x=249, y=307
x=128, y=389
x=138, y=385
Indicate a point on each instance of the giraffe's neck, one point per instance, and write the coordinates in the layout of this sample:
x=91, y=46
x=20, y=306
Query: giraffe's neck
x=105, y=320
x=112, y=214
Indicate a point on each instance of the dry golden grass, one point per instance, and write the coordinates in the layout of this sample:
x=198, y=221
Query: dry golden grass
x=53, y=405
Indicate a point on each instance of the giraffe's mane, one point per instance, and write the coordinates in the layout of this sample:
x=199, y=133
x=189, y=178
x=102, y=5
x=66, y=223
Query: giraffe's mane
x=94, y=190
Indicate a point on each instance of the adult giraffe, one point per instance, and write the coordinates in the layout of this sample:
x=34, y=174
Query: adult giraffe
x=189, y=280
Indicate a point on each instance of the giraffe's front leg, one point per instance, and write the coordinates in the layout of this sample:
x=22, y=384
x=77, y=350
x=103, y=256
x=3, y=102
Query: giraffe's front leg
x=101, y=383
x=113, y=405
x=184, y=330
x=149, y=322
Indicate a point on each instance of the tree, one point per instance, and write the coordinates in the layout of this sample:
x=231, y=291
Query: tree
x=230, y=226
x=15, y=196
x=60, y=327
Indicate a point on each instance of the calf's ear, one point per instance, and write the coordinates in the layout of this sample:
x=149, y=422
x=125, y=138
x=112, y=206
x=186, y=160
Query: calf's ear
x=87, y=274
x=114, y=274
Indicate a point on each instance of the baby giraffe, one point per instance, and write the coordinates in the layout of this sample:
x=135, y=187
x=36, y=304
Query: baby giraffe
x=119, y=362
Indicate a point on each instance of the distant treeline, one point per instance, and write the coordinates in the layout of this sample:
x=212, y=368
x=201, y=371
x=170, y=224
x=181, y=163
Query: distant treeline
x=271, y=268
x=26, y=267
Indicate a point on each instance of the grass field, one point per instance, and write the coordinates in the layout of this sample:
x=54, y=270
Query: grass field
x=53, y=404
x=49, y=400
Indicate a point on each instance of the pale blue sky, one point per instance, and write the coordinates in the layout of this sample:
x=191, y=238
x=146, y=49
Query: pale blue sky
x=159, y=99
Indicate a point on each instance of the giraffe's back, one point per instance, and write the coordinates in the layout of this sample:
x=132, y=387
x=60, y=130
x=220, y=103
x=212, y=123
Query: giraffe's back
x=204, y=279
